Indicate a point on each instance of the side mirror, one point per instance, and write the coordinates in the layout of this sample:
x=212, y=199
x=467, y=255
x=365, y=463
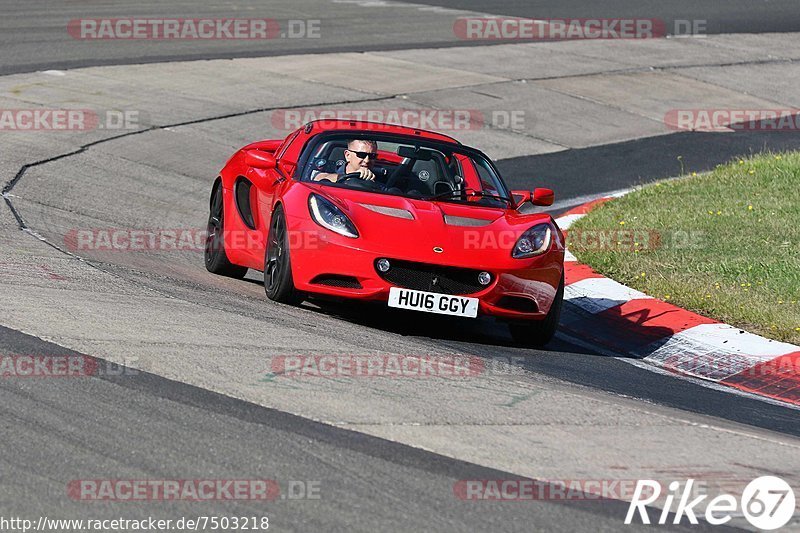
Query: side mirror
x=542, y=196
x=259, y=159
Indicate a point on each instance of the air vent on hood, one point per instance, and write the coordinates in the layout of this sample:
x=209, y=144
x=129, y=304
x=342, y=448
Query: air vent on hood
x=390, y=211
x=453, y=220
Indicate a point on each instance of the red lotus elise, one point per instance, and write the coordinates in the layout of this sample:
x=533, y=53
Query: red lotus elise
x=433, y=228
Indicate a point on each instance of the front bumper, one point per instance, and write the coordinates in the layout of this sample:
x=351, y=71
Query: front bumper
x=521, y=289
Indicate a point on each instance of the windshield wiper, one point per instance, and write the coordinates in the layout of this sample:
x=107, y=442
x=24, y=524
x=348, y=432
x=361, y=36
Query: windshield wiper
x=469, y=192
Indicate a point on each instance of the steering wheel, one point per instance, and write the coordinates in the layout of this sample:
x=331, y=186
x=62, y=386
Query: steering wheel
x=353, y=179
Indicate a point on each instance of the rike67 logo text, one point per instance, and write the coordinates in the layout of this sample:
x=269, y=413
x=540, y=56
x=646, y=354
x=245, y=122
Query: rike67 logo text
x=767, y=502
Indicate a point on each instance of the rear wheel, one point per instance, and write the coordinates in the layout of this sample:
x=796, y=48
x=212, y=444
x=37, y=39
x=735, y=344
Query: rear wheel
x=215, y=257
x=278, y=282
x=538, y=333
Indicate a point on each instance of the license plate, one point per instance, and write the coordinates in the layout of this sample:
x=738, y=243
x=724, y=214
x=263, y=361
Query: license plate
x=431, y=302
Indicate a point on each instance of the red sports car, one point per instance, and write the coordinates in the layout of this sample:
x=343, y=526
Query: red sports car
x=369, y=211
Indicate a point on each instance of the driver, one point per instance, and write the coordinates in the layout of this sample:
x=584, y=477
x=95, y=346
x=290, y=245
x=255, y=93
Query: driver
x=359, y=157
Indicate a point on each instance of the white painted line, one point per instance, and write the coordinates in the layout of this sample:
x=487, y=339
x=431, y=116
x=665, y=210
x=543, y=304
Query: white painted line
x=569, y=258
x=391, y=4
x=566, y=221
x=598, y=294
x=619, y=194
x=577, y=201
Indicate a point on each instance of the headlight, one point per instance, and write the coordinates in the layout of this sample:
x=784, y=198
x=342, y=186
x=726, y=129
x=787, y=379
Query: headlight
x=329, y=216
x=534, y=241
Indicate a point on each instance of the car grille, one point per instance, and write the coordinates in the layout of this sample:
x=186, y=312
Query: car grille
x=432, y=278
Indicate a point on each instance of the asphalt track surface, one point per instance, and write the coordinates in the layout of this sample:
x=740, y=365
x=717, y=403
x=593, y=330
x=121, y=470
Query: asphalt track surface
x=736, y=16
x=372, y=484
x=364, y=483
x=33, y=34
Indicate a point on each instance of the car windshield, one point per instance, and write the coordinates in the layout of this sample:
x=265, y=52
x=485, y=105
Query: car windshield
x=406, y=166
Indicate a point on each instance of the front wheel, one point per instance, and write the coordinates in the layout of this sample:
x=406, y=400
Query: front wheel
x=278, y=283
x=536, y=334
x=215, y=257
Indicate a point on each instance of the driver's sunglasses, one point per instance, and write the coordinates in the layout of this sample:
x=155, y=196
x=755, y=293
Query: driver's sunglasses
x=363, y=155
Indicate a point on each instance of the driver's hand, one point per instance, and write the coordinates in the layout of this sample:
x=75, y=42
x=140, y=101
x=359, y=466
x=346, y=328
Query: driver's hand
x=366, y=174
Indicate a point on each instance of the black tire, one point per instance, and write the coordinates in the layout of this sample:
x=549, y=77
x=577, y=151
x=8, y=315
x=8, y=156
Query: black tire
x=278, y=283
x=535, y=334
x=215, y=257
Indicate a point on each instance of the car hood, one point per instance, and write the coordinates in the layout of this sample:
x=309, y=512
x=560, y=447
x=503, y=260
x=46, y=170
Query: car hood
x=431, y=231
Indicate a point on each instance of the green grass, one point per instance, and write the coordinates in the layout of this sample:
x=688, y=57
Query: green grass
x=729, y=243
